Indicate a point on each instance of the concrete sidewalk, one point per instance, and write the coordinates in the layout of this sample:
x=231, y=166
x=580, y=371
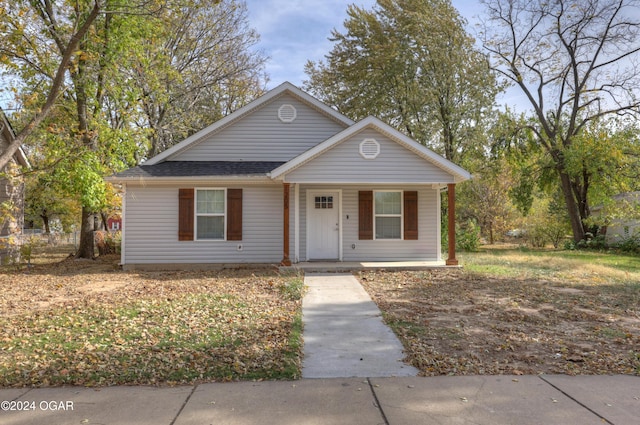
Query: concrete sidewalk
x=491, y=400
x=344, y=335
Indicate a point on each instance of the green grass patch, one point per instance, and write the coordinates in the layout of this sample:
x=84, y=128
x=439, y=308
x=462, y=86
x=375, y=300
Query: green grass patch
x=293, y=288
x=574, y=266
x=408, y=328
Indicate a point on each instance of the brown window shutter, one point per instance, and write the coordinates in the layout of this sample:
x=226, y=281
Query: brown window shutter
x=234, y=214
x=365, y=214
x=185, y=214
x=411, y=215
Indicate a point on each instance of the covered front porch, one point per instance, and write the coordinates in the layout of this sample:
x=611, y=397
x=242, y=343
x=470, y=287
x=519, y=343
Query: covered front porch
x=331, y=228
x=367, y=194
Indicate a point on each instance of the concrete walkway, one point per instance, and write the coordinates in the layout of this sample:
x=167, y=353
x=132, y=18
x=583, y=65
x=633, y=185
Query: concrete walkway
x=489, y=400
x=344, y=335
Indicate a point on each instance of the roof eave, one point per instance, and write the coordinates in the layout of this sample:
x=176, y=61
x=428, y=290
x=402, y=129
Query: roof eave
x=177, y=179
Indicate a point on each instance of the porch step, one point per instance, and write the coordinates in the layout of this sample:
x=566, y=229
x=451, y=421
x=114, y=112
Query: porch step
x=348, y=266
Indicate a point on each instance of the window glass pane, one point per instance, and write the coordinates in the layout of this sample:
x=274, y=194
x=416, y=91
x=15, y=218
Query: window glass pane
x=388, y=227
x=388, y=203
x=323, y=202
x=210, y=202
x=210, y=227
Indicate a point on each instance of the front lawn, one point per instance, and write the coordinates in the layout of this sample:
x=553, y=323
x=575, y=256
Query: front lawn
x=517, y=312
x=84, y=322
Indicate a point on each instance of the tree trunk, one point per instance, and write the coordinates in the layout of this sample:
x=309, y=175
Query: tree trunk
x=491, y=240
x=572, y=207
x=86, y=246
x=45, y=220
x=105, y=221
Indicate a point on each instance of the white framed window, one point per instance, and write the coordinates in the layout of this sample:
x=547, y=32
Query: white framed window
x=210, y=222
x=387, y=214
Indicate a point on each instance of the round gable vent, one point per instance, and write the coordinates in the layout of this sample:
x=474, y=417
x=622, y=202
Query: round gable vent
x=369, y=148
x=287, y=113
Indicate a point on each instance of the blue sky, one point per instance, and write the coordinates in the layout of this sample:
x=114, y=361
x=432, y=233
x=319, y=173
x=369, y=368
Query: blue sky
x=293, y=32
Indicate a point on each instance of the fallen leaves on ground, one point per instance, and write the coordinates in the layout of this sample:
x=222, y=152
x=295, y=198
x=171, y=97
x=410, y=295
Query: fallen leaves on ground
x=455, y=322
x=85, y=322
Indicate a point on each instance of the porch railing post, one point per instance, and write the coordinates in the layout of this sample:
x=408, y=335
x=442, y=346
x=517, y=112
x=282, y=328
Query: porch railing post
x=451, y=195
x=286, y=261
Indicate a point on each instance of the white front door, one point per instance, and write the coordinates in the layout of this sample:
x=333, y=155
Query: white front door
x=323, y=225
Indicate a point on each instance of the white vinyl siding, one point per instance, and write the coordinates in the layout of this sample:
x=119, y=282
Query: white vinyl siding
x=344, y=164
x=151, y=228
x=262, y=136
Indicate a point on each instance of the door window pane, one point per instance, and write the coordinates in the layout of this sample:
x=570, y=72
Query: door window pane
x=323, y=202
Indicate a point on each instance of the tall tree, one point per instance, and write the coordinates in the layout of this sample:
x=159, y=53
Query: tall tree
x=94, y=132
x=411, y=63
x=485, y=199
x=576, y=62
x=88, y=141
x=19, y=52
x=202, y=68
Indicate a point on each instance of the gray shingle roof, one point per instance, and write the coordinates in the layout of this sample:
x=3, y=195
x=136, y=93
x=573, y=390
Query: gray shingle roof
x=201, y=169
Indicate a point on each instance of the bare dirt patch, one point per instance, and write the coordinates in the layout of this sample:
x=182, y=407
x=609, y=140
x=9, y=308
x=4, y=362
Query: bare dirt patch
x=454, y=322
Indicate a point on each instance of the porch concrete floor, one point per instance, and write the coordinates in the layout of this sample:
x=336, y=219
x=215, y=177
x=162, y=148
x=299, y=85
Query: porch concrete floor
x=344, y=266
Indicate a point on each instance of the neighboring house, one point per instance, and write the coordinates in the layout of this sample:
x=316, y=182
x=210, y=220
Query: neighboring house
x=114, y=223
x=621, y=229
x=11, y=188
x=287, y=179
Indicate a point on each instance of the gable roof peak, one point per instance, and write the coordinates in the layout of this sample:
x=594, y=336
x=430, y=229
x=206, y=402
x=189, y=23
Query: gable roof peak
x=459, y=173
x=285, y=87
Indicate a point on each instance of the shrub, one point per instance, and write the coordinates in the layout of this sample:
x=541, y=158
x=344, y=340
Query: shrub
x=9, y=250
x=598, y=243
x=107, y=242
x=536, y=236
x=468, y=237
x=630, y=244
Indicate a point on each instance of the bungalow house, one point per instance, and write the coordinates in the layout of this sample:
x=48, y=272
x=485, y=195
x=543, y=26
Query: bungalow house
x=287, y=179
x=11, y=189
